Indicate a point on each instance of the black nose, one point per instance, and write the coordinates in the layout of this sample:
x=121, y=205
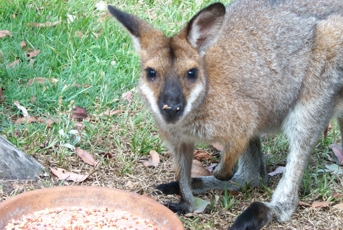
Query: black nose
x=171, y=112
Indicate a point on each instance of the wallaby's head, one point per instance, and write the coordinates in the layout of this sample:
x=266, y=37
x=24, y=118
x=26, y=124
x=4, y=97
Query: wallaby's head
x=173, y=77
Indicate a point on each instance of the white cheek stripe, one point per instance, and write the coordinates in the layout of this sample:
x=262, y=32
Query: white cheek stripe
x=193, y=97
x=151, y=99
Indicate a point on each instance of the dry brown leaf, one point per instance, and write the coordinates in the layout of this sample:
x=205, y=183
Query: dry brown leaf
x=85, y=156
x=21, y=108
x=78, y=34
x=338, y=195
x=42, y=80
x=199, y=170
x=339, y=206
x=127, y=96
x=16, y=62
x=153, y=160
x=49, y=122
x=65, y=175
x=5, y=33
x=22, y=44
x=110, y=112
x=2, y=97
x=79, y=125
x=33, y=99
x=202, y=155
x=24, y=120
x=33, y=53
x=320, y=204
x=304, y=204
x=79, y=113
x=107, y=155
x=45, y=24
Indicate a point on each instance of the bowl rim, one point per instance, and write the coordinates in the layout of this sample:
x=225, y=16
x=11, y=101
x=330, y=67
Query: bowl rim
x=91, y=196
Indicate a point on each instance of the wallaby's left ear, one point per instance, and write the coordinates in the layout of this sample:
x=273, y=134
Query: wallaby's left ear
x=141, y=32
x=204, y=28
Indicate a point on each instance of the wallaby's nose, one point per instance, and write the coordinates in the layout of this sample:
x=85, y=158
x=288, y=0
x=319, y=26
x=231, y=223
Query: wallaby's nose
x=171, y=112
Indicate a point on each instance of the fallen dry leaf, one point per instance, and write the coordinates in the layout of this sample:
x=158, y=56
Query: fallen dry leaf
x=5, y=33
x=199, y=170
x=49, y=122
x=65, y=175
x=339, y=206
x=78, y=34
x=334, y=169
x=45, y=24
x=200, y=205
x=278, y=170
x=33, y=53
x=202, y=155
x=79, y=113
x=71, y=18
x=211, y=167
x=85, y=156
x=338, y=151
x=320, y=204
x=27, y=120
x=153, y=160
x=127, y=96
x=110, y=113
x=42, y=80
x=304, y=204
x=337, y=195
x=16, y=62
x=2, y=97
x=33, y=99
x=22, y=44
x=107, y=155
x=22, y=108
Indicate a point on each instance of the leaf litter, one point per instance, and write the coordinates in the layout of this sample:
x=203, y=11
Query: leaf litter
x=86, y=156
x=153, y=160
x=5, y=33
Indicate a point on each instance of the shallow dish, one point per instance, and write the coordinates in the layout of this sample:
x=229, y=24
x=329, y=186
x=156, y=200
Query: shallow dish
x=88, y=197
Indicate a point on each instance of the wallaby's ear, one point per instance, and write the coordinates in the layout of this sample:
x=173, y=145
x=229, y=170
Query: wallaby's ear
x=137, y=28
x=204, y=28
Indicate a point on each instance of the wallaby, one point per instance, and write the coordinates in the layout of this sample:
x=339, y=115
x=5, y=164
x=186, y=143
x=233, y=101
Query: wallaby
x=235, y=73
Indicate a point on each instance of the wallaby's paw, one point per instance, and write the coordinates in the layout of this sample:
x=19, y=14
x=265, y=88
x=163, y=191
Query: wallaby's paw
x=222, y=173
x=169, y=188
x=179, y=208
x=254, y=217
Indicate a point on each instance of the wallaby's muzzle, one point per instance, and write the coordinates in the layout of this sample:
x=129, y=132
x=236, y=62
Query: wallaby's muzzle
x=171, y=101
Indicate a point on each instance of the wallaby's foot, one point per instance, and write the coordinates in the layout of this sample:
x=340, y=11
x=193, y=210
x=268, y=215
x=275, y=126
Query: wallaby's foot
x=254, y=217
x=222, y=173
x=179, y=208
x=169, y=188
x=259, y=214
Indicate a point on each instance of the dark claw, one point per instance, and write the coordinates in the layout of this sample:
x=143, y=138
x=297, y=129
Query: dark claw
x=253, y=218
x=170, y=188
x=178, y=208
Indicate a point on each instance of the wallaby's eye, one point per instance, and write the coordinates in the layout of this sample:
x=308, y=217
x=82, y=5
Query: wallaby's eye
x=192, y=74
x=150, y=74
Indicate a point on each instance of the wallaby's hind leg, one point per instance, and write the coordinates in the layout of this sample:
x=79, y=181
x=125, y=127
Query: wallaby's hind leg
x=302, y=128
x=251, y=170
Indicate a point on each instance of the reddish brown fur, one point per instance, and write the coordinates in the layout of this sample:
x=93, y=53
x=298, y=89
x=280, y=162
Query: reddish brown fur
x=262, y=66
